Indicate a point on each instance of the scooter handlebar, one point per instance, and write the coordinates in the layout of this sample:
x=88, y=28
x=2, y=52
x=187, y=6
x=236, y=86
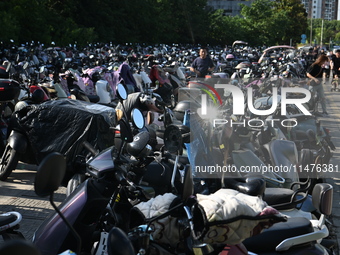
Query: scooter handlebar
x=179, y=165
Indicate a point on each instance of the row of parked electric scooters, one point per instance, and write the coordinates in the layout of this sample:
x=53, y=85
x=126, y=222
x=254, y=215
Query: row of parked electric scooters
x=127, y=197
x=99, y=206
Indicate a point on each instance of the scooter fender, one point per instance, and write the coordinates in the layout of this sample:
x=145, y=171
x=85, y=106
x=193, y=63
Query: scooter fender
x=17, y=141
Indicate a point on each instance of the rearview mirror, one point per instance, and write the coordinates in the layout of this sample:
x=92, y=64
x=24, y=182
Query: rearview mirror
x=137, y=118
x=121, y=92
x=50, y=174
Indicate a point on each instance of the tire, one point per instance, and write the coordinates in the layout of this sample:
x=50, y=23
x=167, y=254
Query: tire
x=74, y=182
x=9, y=164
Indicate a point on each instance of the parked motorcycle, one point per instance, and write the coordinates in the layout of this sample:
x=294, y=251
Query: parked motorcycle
x=47, y=180
x=29, y=141
x=90, y=215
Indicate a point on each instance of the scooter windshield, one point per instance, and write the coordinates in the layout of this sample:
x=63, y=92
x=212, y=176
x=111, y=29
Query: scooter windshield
x=205, y=158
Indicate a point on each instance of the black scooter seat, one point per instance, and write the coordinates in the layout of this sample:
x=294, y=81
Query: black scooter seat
x=270, y=238
x=275, y=196
x=253, y=186
x=93, y=98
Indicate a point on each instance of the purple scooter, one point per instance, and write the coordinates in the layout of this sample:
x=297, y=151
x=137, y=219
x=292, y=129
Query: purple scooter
x=89, y=209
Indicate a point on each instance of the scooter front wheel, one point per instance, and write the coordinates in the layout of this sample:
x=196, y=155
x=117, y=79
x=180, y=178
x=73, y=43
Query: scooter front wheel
x=9, y=162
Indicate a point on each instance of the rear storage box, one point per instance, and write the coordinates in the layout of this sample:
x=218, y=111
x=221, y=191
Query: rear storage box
x=9, y=89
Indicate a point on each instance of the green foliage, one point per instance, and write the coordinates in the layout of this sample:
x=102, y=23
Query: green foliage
x=155, y=21
x=330, y=31
x=275, y=22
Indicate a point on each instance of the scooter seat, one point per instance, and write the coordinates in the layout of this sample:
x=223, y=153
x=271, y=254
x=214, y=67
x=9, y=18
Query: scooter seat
x=93, y=98
x=253, y=186
x=277, y=195
x=280, y=196
x=270, y=238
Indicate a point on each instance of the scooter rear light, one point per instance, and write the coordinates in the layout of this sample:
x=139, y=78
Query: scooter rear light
x=117, y=132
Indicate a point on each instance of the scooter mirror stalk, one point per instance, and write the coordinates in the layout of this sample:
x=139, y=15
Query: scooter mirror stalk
x=8, y=67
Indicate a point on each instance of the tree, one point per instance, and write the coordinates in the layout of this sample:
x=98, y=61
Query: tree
x=275, y=22
x=296, y=18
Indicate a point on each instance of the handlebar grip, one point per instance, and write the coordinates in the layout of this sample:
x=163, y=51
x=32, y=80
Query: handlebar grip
x=179, y=165
x=90, y=148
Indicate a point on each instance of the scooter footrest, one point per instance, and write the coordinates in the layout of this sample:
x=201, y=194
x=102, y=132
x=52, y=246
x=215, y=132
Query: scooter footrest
x=270, y=238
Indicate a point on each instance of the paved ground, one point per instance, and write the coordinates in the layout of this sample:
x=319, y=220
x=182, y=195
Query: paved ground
x=18, y=193
x=333, y=123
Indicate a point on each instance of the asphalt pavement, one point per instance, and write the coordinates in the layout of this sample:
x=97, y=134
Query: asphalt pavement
x=17, y=193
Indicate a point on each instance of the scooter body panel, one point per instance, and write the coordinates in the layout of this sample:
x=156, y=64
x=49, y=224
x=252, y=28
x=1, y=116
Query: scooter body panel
x=17, y=141
x=101, y=163
x=102, y=92
x=51, y=234
x=315, y=249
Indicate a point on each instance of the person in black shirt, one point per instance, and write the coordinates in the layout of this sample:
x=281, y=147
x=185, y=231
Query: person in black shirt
x=314, y=72
x=335, y=62
x=202, y=64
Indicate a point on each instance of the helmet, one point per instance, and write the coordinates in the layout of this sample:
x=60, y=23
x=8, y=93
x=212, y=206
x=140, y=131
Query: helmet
x=182, y=106
x=230, y=57
x=150, y=102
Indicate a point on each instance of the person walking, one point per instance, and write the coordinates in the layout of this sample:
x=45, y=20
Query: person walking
x=335, y=63
x=202, y=64
x=314, y=73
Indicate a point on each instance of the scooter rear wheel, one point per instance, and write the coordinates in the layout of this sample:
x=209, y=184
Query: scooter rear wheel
x=10, y=162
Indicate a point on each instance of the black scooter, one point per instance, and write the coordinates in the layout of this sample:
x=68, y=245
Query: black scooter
x=37, y=128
